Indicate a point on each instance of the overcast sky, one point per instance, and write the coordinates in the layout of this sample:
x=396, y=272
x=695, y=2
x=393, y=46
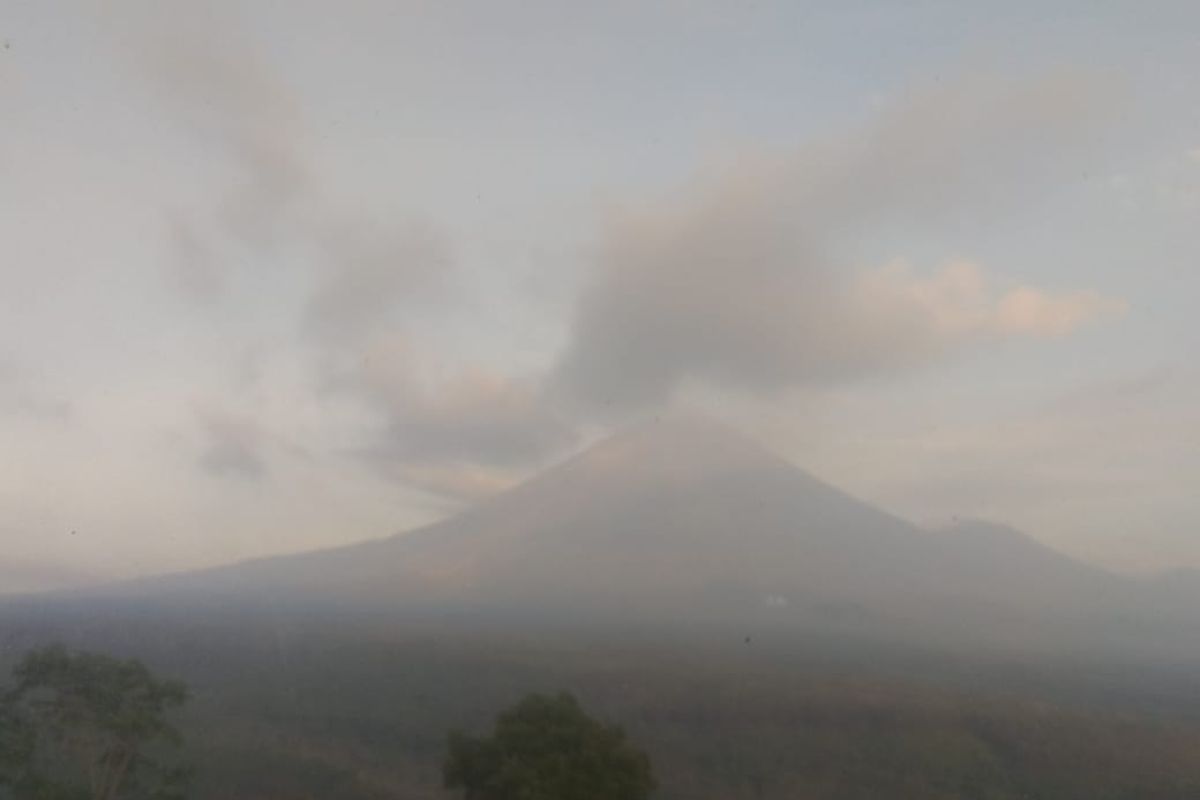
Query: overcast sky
x=280, y=275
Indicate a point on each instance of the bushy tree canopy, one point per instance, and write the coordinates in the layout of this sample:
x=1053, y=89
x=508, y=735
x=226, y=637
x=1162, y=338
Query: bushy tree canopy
x=547, y=748
x=84, y=725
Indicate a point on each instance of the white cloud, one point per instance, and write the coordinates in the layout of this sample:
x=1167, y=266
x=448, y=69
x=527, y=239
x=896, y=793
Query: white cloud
x=958, y=302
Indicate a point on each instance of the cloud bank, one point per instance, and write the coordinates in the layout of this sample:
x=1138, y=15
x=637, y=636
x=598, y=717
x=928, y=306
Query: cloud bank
x=744, y=280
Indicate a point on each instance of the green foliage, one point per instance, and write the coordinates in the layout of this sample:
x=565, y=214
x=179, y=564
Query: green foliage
x=86, y=725
x=547, y=748
x=347, y=715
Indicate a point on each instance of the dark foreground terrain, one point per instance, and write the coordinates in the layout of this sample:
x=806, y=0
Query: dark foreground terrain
x=323, y=710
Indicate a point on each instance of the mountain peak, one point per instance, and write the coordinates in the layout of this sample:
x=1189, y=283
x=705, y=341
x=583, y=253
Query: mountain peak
x=685, y=425
x=652, y=454
x=680, y=517
x=678, y=444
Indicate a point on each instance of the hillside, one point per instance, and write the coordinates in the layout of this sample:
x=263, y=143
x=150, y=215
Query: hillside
x=684, y=521
x=765, y=634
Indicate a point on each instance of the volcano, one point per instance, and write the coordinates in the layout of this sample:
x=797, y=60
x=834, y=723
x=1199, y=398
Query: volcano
x=681, y=520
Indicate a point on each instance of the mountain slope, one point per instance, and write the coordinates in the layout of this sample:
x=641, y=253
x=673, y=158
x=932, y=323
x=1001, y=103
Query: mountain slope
x=684, y=519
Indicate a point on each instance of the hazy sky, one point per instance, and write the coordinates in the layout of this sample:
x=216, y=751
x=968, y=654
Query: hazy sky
x=278, y=275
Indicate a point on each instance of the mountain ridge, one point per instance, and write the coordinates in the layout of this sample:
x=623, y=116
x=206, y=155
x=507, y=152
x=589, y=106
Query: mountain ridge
x=685, y=520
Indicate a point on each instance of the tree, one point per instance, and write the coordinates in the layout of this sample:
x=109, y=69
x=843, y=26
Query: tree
x=86, y=725
x=547, y=748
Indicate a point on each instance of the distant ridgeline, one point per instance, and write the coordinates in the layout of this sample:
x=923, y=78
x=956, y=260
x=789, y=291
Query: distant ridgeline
x=763, y=634
x=686, y=523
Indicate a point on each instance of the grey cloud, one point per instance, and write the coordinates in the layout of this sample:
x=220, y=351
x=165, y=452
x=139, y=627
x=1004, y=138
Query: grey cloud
x=23, y=393
x=954, y=149
x=378, y=268
x=197, y=270
x=474, y=417
x=212, y=84
x=481, y=418
x=461, y=435
x=275, y=204
x=366, y=270
x=738, y=282
x=229, y=99
x=233, y=445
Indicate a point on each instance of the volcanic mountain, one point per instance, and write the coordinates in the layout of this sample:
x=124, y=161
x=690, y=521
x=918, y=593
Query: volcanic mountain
x=688, y=521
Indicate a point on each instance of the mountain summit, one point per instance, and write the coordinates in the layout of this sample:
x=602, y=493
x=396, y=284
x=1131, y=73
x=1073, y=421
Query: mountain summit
x=678, y=518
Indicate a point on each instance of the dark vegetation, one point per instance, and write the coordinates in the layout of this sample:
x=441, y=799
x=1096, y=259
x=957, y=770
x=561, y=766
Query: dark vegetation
x=86, y=725
x=546, y=748
x=281, y=711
